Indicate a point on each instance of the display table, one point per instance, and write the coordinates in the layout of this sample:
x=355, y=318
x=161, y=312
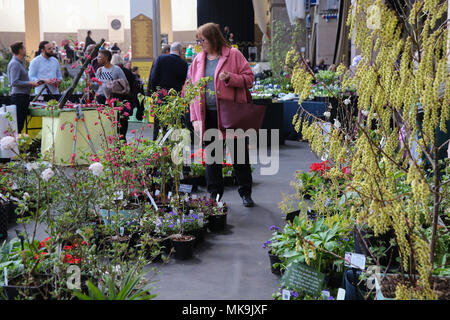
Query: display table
x=291, y=108
x=58, y=143
x=273, y=118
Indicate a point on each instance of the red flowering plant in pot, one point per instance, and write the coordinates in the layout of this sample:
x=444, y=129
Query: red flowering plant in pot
x=170, y=107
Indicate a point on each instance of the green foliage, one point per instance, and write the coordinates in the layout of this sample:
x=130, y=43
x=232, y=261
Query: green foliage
x=283, y=39
x=129, y=288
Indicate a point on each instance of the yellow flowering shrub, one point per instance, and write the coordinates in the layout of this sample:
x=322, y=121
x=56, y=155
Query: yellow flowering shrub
x=395, y=168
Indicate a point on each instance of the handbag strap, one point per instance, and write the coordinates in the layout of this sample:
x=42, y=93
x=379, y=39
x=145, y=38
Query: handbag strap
x=247, y=92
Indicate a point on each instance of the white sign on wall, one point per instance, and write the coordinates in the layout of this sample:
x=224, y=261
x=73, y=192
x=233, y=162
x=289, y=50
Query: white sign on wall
x=116, y=30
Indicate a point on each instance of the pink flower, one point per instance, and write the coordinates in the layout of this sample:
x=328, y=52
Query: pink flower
x=126, y=114
x=74, y=66
x=133, y=131
x=62, y=127
x=96, y=124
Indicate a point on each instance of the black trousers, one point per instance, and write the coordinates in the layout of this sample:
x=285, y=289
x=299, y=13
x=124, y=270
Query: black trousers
x=22, y=102
x=123, y=120
x=214, y=175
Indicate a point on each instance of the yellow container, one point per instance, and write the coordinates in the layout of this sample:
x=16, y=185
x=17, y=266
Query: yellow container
x=57, y=140
x=35, y=123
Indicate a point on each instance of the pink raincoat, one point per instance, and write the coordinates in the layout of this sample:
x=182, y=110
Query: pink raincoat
x=231, y=61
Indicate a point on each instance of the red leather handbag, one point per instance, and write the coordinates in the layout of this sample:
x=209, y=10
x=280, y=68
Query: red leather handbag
x=233, y=115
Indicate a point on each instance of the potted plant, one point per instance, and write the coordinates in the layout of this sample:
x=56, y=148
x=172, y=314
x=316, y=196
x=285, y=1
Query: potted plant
x=274, y=250
x=217, y=216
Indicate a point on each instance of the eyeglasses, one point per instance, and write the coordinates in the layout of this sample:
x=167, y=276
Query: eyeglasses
x=201, y=40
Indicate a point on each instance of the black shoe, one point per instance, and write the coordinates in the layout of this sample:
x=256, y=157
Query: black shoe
x=248, y=202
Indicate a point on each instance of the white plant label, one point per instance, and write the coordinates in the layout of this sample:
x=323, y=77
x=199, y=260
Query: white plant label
x=341, y=294
x=170, y=194
x=122, y=231
x=286, y=294
x=119, y=195
x=220, y=204
x=6, y=276
x=218, y=198
x=151, y=199
x=194, y=196
x=355, y=260
x=326, y=293
x=157, y=193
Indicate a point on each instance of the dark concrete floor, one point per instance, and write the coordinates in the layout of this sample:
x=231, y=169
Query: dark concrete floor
x=232, y=265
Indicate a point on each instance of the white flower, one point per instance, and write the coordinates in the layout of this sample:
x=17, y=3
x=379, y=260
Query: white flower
x=347, y=101
x=32, y=166
x=327, y=114
x=8, y=143
x=47, y=174
x=337, y=124
x=26, y=196
x=96, y=168
x=365, y=113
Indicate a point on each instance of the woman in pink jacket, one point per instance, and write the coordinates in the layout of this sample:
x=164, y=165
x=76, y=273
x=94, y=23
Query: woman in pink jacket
x=232, y=76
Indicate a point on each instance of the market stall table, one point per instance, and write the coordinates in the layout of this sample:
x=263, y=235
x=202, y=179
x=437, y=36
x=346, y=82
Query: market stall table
x=291, y=108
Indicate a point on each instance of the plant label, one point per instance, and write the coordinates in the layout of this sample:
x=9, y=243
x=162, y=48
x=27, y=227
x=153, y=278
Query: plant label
x=218, y=198
x=6, y=276
x=119, y=195
x=194, y=196
x=286, y=294
x=122, y=231
x=220, y=204
x=341, y=294
x=185, y=188
x=170, y=194
x=355, y=260
x=151, y=199
x=326, y=294
x=157, y=193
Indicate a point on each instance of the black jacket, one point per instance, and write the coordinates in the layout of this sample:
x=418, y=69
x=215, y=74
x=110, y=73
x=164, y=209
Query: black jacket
x=169, y=72
x=88, y=42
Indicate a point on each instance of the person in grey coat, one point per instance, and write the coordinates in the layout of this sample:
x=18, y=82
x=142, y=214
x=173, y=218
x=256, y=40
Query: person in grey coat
x=20, y=83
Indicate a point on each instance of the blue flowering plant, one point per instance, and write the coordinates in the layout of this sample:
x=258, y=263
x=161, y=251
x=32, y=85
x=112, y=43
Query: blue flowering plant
x=301, y=295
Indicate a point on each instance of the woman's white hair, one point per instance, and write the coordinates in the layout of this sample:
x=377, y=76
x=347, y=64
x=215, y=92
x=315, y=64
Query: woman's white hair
x=117, y=59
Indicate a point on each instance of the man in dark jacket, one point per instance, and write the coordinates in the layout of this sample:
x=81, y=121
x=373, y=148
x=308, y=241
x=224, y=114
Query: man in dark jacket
x=169, y=72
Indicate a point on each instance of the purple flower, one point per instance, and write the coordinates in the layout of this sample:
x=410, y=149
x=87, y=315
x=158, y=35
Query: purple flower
x=274, y=228
x=266, y=244
x=330, y=298
x=294, y=294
